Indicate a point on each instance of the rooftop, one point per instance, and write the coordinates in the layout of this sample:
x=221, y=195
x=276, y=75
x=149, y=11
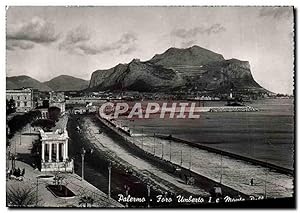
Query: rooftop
x=55, y=135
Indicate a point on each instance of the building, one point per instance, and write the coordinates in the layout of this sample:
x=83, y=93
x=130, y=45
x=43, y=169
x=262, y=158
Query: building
x=85, y=100
x=57, y=99
x=79, y=110
x=23, y=99
x=54, y=151
x=44, y=113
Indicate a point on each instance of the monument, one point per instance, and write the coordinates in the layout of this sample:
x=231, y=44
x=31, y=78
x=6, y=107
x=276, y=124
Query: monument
x=54, y=151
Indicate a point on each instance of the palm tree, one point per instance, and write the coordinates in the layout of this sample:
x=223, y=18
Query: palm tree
x=21, y=197
x=85, y=200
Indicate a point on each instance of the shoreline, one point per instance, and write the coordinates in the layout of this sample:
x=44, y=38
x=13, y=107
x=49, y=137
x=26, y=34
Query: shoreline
x=280, y=191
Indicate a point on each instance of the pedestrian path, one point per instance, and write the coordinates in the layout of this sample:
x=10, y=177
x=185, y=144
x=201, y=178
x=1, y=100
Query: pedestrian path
x=20, y=146
x=157, y=175
x=231, y=172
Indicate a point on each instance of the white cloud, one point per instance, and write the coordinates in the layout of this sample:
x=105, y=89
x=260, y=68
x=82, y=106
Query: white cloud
x=25, y=34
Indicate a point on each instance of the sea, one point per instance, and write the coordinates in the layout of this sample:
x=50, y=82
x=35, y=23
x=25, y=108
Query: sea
x=266, y=135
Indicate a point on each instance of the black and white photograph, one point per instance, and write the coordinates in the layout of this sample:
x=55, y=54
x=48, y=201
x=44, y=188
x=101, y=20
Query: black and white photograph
x=150, y=107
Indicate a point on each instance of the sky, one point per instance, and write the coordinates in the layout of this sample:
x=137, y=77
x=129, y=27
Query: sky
x=45, y=42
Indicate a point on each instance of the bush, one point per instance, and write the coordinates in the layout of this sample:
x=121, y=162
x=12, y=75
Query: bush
x=21, y=197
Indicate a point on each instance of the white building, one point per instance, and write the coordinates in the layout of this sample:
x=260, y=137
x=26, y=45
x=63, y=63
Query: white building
x=23, y=99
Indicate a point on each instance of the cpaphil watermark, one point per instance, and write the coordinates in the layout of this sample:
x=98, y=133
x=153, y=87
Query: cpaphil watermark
x=140, y=110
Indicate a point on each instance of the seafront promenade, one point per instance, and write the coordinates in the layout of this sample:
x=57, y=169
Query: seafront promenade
x=226, y=170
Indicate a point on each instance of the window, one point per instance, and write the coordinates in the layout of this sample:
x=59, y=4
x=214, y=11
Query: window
x=25, y=97
x=25, y=103
x=18, y=97
x=18, y=104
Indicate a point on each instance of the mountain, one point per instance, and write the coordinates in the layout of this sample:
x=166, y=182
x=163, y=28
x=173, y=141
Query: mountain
x=137, y=76
x=193, y=56
x=67, y=83
x=190, y=69
x=18, y=82
x=60, y=83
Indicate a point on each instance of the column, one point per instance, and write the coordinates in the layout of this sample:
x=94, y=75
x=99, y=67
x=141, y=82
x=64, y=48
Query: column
x=61, y=150
x=57, y=152
x=67, y=149
x=50, y=152
x=64, y=155
x=43, y=151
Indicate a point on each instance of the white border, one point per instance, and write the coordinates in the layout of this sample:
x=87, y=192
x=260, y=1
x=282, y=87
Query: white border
x=108, y=2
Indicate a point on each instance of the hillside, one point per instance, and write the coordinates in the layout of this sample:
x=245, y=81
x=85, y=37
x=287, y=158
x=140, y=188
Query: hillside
x=137, y=76
x=67, y=83
x=17, y=82
x=60, y=83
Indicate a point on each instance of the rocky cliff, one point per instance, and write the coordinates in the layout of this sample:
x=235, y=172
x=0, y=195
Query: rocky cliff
x=137, y=76
x=193, y=68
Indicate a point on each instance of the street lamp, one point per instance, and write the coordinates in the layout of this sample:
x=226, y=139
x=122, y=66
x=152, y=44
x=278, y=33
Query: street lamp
x=162, y=150
x=8, y=158
x=190, y=163
x=142, y=139
x=37, y=191
x=170, y=152
x=127, y=188
x=180, y=157
x=148, y=189
x=109, y=179
x=82, y=163
x=221, y=177
x=154, y=144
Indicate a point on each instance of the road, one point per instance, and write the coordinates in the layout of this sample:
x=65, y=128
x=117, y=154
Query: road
x=160, y=177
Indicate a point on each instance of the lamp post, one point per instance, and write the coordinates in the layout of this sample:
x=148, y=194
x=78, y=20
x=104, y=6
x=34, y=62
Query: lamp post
x=170, y=152
x=162, y=150
x=148, y=189
x=16, y=146
x=154, y=144
x=190, y=163
x=109, y=179
x=127, y=188
x=221, y=169
x=180, y=157
x=21, y=137
x=142, y=139
x=82, y=163
x=37, y=191
x=266, y=178
x=8, y=158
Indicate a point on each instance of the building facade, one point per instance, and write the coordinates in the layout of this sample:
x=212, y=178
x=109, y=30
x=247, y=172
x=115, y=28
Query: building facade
x=44, y=113
x=23, y=99
x=57, y=99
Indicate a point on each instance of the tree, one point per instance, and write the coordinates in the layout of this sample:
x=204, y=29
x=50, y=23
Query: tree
x=10, y=106
x=21, y=197
x=85, y=200
x=54, y=113
x=19, y=121
x=45, y=124
x=58, y=181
